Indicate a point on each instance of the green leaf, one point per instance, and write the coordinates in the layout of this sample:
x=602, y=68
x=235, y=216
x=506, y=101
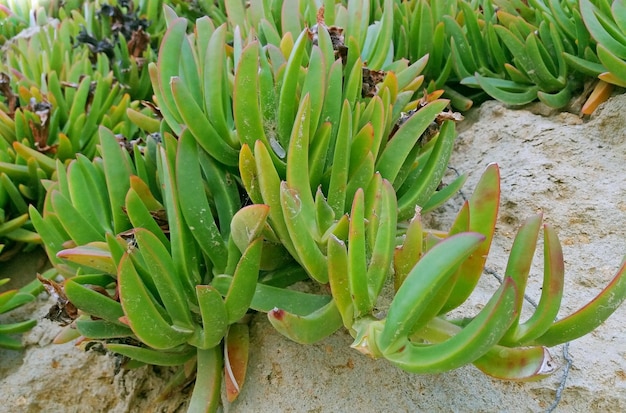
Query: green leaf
x=426, y=278
x=166, y=279
x=102, y=329
x=200, y=126
x=90, y=256
x=591, y=16
x=117, y=170
x=520, y=364
x=288, y=90
x=524, y=94
x=194, y=204
x=589, y=317
x=299, y=227
x=483, y=210
x=242, y=289
x=339, y=281
x=248, y=224
x=307, y=329
x=214, y=318
x=472, y=342
x=357, y=259
x=143, y=316
x=395, y=153
x=206, y=391
x=551, y=293
x=267, y=297
x=93, y=302
x=430, y=177
x=340, y=164
x=150, y=356
x=379, y=266
x=613, y=63
x=16, y=328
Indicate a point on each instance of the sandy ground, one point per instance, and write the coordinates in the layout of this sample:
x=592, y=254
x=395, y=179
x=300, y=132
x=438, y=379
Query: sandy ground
x=571, y=169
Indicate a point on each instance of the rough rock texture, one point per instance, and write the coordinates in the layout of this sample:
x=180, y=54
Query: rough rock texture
x=572, y=170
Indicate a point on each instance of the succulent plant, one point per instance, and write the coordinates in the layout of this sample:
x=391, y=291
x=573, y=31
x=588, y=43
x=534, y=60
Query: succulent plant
x=85, y=235
x=435, y=273
x=135, y=253
x=607, y=25
x=57, y=92
x=513, y=51
x=286, y=142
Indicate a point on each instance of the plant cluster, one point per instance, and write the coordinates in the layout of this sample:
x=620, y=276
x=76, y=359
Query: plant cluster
x=284, y=142
x=515, y=51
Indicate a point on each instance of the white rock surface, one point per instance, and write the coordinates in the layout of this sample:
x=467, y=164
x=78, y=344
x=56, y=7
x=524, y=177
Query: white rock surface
x=571, y=169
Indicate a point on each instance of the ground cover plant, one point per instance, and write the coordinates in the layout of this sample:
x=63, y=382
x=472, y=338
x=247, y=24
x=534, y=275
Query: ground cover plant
x=184, y=166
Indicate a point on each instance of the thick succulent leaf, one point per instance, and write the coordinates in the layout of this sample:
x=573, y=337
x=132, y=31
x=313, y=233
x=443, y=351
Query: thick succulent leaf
x=236, y=350
x=10, y=343
x=141, y=217
x=267, y=297
x=270, y=189
x=590, y=15
x=166, y=279
x=410, y=252
x=415, y=295
x=215, y=82
x=93, y=302
x=519, y=364
x=206, y=391
x=483, y=210
x=102, y=329
x=556, y=100
x=298, y=163
x=196, y=121
x=357, y=258
x=431, y=174
x=248, y=224
x=16, y=328
x=77, y=226
x=12, y=299
x=522, y=94
x=214, y=318
x=340, y=162
x=521, y=256
x=246, y=109
x=589, y=317
x=242, y=288
x=117, y=170
x=222, y=185
x=307, y=329
x=288, y=90
x=339, y=281
x=168, y=64
x=472, y=342
x=92, y=256
x=551, y=293
x=150, y=356
x=614, y=64
x=396, y=150
x=183, y=248
x=308, y=253
x=194, y=204
x=442, y=195
x=141, y=311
